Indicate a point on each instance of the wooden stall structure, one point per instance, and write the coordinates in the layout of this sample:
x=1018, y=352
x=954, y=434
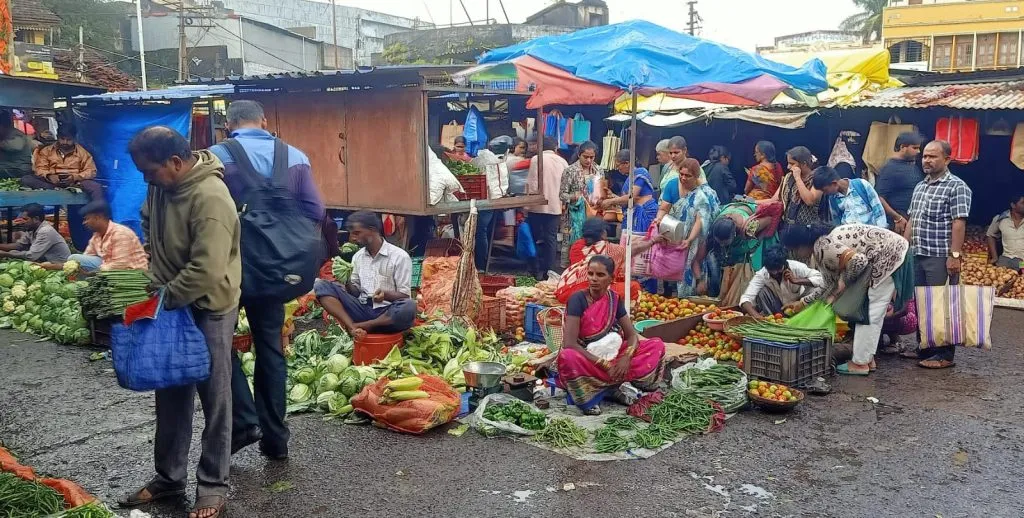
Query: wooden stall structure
x=365, y=131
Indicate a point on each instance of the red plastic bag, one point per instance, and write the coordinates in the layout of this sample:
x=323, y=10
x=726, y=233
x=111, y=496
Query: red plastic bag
x=668, y=261
x=414, y=416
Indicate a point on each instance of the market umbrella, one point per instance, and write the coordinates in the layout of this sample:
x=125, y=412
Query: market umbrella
x=599, y=64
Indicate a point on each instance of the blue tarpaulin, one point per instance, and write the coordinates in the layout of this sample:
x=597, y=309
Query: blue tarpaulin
x=640, y=54
x=105, y=131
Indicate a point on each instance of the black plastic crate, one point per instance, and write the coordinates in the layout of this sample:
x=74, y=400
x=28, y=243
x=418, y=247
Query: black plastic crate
x=789, y=364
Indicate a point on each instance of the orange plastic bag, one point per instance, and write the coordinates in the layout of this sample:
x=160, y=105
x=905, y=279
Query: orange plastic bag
x=73, y=494
x=414, y=416
x=10, y=464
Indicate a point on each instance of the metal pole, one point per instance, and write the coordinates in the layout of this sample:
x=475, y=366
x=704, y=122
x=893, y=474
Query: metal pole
x=505, y=14
x=334, y=28
x=80, y=69
x=487, y=12
x=142, y=43
x=182, y=43
x=241, y=45
x=468, y=17
x=629, y=209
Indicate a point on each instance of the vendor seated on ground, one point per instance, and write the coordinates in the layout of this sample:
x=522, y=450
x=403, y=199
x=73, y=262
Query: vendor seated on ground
x=600, y=348
x=1008, y=228
x=112, y=246
x=779, y=284
x=376, y=298
x=40, y=242
x=64, y=164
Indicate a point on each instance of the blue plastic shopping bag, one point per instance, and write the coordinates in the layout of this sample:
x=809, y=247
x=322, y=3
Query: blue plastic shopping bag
x=525, y=246
x=160, y=351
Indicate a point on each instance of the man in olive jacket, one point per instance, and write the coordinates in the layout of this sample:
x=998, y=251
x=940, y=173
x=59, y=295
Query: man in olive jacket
x=191, y=232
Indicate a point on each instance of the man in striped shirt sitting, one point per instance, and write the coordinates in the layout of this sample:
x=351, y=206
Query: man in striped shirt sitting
x=112, y=246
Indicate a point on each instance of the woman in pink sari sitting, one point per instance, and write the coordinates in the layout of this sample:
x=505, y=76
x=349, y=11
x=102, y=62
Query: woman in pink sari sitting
x=600, y=348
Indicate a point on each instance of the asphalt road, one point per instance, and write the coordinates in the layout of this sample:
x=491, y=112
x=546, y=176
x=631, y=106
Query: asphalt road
x=939, y=443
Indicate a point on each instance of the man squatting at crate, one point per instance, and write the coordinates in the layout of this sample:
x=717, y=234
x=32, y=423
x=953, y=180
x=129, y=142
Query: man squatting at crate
x=376, y=298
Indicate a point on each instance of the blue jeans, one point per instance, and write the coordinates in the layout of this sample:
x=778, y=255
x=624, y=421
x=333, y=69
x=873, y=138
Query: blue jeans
x=402, y=312
x=88, y=263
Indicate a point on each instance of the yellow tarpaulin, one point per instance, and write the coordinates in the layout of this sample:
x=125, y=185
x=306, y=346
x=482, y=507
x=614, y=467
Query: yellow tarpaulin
x=850, y=73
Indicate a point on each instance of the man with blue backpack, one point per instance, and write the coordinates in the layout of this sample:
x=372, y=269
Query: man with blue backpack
x=282, y=249
x=851, y=200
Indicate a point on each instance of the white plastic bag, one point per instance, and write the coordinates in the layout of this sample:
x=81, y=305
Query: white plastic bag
x=731, y=398
x=491, y=428
x=607, y=348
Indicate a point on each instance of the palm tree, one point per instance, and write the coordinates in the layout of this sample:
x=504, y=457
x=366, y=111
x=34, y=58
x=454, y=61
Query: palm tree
x=868, y=22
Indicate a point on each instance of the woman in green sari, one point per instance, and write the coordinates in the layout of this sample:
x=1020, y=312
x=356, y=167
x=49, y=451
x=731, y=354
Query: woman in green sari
x=744, y=229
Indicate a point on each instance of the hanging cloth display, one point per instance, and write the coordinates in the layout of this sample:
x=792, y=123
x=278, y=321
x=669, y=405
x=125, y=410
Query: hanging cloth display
x=841, y=158
x=554, y=127
x=611, y=146
x=962, y=134
x=881, y=141
x=1017, y=146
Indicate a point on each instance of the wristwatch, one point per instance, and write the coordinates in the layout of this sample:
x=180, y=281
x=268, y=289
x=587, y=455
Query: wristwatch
x=954, y=255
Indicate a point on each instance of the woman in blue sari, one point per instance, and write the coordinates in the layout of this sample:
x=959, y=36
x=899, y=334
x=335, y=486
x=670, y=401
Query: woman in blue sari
x=696, y=205
x=645, y=207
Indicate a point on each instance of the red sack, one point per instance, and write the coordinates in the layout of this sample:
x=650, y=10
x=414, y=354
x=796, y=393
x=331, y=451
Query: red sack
x=414, y=416
x=962, y=135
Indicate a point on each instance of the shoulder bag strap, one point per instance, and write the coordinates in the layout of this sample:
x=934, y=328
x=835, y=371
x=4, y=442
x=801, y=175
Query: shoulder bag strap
x=279, y=177
x=235, y=149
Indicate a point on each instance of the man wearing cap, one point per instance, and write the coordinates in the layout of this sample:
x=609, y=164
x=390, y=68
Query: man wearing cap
x=62, y=164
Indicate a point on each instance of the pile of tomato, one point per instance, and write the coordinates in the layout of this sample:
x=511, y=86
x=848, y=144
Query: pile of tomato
x=771, y=391
x=715, y=344
x=658, y=307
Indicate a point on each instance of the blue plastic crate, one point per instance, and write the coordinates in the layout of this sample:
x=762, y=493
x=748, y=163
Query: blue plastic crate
x=530, y=324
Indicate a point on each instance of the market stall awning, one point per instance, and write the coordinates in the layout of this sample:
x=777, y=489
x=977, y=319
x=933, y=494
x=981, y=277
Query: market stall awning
x=851, y=73
x=596, y=65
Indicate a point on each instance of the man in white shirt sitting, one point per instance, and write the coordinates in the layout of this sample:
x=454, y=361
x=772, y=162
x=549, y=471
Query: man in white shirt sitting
x=778, y=285
x=376, y=298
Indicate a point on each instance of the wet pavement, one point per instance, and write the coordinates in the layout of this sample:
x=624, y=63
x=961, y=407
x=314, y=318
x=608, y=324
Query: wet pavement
x=938, y=443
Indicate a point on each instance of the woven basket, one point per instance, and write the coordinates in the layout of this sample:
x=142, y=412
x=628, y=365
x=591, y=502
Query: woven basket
x=552, y=332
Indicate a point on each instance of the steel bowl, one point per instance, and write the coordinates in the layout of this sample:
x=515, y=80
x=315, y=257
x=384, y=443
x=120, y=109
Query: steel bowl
x=483, y=375
x=671, y=228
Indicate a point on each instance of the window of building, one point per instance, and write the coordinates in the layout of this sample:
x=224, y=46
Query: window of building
x=1007, y=56
x=986, y=51
x=909, y=51
x=942, y=53
x=964, y=52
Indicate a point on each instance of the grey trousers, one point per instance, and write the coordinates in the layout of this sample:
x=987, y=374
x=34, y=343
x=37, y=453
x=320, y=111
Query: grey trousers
x=175, y=408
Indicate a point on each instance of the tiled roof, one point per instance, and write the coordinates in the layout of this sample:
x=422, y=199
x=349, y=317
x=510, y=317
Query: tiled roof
x=98, y=70
x=1005, y=95
x=32, y=14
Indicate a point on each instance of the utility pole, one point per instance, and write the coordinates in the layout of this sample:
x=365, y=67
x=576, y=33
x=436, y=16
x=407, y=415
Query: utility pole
x=80, y=66
x=693, y=26
x=182, y=44
x=334, y=28
x=142, y=43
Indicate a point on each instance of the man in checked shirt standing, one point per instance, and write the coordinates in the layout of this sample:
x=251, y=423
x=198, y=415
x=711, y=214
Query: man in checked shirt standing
x=376, y=298
x=938, y=222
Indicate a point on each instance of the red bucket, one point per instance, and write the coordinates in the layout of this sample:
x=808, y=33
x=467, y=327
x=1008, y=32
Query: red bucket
x=374, y=347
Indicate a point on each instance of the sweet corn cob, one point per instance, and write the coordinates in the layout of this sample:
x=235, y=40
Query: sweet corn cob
x=409, y=383
x=403, y=395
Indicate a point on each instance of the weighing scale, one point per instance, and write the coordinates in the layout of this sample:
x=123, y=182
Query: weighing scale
x=482, y=380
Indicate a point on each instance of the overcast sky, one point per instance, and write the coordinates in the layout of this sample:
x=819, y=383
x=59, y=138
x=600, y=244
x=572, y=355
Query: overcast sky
x=740, y=23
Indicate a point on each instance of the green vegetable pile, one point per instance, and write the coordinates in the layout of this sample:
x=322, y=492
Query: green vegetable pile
x=109, y=292
x=441, y=349
x=10, y=184
x=527, y=281
x=34, y=300
x=27, y=499
x=459, y=168
x=564, y=433
x=683, y=413
x=779, y=333
x=724, y=384
x=91, y=510
x=517, y=413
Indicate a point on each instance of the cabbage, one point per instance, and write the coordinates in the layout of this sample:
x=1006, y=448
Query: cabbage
x=336, y=403
x=337, y=363
x=323, y=397
x=305, y=375
x=327, y=383
x=299, y=393
x=249, y=367
x=31, y=306
x=82, y=336
x=38, y=272
x=247, y=356
x=351, y=382
x=6, y=280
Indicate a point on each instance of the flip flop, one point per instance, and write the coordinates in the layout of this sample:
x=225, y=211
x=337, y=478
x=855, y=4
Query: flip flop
x=216, y=502
x=844, y=369
x=593, y=411
x=872, y=366
x=910, y=355
x=942, y=364
x=156, y=493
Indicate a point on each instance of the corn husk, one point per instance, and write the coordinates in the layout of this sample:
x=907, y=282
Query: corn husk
x=466, y=292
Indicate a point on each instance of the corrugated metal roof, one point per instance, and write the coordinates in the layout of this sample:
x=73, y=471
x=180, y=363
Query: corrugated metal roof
x=1006, y=95
x=342, y=77
x=178, y=92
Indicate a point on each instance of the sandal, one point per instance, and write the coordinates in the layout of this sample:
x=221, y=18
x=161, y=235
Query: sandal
x=156, y=492
x=215, y=502
x=936, y=364
x=594, y=410
x=845, y=369
x=910, y=355
x=872, y=366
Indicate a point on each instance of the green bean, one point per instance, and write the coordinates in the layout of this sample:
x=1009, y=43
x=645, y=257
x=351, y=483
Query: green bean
x=24, y=499
x=623, y=423
x=563, y=433
x=608, y=440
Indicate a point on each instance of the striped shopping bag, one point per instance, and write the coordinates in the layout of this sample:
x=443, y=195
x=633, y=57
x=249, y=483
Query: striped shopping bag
x=955, y=315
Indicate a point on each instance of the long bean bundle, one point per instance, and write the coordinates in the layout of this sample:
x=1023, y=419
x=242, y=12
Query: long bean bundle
x=608, y=440
x=26, y=499
x=109, y=292
x=563, y=433
x=683, y=413
x=778, y=332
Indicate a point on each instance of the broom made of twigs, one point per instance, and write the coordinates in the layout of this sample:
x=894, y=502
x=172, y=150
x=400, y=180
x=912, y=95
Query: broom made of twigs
x=465, y=292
